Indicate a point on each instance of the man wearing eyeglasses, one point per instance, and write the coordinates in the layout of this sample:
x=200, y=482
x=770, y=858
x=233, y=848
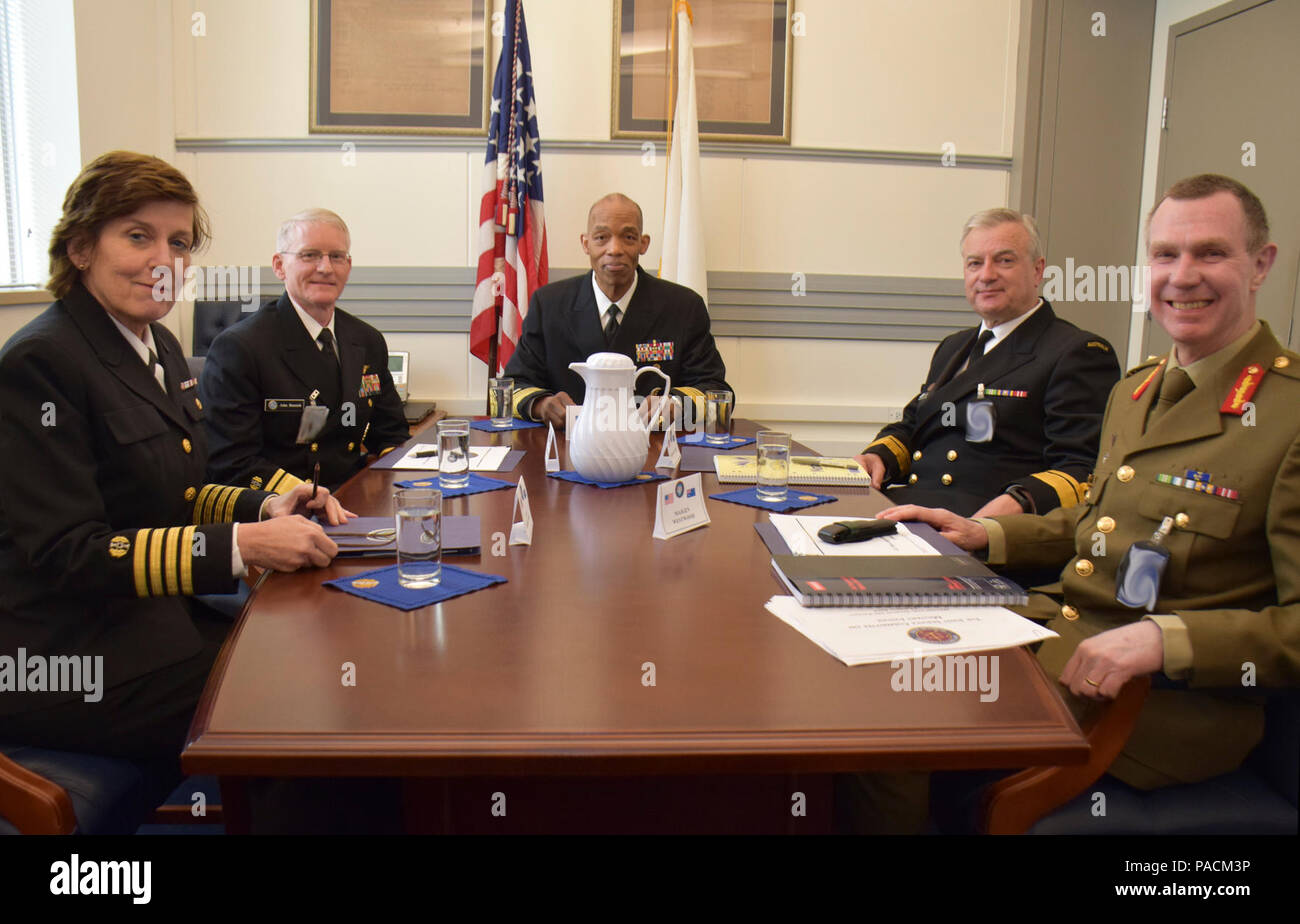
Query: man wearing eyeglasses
x=301, y=382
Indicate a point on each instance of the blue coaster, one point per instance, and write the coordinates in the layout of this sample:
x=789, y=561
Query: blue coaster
x=515, y=424
x=794, y=499
x=697, y=439
x=477, y=485
x=381, y=586
x=640, y=478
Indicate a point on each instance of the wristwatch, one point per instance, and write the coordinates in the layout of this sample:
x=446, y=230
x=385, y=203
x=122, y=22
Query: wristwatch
x=1023, y=498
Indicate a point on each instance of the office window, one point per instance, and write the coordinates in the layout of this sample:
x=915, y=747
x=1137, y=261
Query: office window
x=40, y=147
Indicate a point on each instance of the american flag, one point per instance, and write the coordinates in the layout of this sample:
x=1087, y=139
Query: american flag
x=512, y=261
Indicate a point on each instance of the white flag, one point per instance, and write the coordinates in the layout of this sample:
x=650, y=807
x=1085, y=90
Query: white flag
x=683, y=259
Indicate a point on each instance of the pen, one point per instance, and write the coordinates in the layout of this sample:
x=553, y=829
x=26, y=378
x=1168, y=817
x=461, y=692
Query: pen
x=424, y=454
x=315, y=482
x=827, y=463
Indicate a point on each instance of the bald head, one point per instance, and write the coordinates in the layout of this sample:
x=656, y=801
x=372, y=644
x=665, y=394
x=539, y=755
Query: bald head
x=617, y=200
x=614, y=242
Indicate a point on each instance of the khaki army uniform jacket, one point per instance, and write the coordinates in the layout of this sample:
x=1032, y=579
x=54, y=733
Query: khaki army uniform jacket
x=1233, y=579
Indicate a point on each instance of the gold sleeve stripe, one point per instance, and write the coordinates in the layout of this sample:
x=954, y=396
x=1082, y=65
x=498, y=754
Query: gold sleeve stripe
x=138, y=562
x=386, y=451
x=697, y=398
x=203, y=505
x=522, y=394
x=187, y=560
x=156, y=537
x=895, y=445
x=282, y=482
x=1067, y=489
x=170, y=552
x=1074, y=484
x=228, y=505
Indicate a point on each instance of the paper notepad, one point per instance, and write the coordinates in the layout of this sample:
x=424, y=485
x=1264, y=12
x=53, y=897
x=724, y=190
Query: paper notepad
x=743, y=469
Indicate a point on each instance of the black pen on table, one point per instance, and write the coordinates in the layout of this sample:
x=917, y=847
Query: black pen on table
x=315, y=482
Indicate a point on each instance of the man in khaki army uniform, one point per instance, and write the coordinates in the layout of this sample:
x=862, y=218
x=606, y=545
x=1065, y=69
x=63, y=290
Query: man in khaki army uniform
x=1208, y=439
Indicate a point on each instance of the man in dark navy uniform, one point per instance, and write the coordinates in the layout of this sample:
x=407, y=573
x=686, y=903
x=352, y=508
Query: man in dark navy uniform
x=1009, y=415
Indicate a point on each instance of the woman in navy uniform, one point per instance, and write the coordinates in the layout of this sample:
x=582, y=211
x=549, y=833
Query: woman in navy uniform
x=106, y=524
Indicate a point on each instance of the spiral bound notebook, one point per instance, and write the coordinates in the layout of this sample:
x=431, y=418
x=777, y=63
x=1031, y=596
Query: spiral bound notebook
x=892, y=580
x=743, y=469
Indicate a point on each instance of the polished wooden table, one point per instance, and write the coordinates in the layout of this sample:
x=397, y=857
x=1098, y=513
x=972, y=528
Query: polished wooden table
x=546, y=680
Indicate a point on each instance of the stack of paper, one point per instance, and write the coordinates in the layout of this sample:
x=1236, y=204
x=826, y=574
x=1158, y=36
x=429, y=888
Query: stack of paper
x=481, y=458
x=868, y=635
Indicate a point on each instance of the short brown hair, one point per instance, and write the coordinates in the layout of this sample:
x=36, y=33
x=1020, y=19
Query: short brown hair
x=111, y=186
x=1204, y=185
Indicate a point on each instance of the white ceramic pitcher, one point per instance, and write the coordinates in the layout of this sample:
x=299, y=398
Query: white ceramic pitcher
x=610, y=441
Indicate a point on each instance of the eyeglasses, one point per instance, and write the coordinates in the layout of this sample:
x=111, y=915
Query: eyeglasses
x=335, y=257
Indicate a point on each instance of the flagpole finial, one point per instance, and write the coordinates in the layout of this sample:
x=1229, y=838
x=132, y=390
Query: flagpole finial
x=684, y=5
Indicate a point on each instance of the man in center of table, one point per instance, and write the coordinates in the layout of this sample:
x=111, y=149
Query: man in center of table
x=617, y=308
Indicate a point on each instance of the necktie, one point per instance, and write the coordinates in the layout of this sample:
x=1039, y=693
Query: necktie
x=156, y=370
x=964, y=359
x=1173, y=387
x=611, y=325
x=326, y=340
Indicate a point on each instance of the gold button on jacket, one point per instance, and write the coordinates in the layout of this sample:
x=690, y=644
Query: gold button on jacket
x=1083, y=567
x=946, y=479
x=1125, y=473
x=1106, y=524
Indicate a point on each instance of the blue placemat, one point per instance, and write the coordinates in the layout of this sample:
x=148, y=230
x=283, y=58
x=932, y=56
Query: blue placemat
x=697, y=439
x=385, y=589
x=640, y=478
x=515, y=424
x=477, y=485
x=794, y=499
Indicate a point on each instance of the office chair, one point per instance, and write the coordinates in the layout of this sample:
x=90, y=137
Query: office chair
x=59, y=792
x=1258, y=798
x=210, y=319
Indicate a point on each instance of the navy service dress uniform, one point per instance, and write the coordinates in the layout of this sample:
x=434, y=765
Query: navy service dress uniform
x=1224, y=464
x=1048, y=382
x=106, y=522
x=260, y=374
x=666, y=325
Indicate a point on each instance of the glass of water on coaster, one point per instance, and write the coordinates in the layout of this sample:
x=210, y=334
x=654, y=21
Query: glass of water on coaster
x=501, y=398
x=773, y=465
x=717, y=417
x=419, y=536
x=453, y=453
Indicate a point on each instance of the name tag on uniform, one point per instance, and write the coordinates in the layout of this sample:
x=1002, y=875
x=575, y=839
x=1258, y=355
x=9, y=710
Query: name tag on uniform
x=280, y=405
x=369, y=385
x=656, y=351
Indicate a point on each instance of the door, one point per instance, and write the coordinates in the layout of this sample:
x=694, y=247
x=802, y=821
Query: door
x=1232, y=83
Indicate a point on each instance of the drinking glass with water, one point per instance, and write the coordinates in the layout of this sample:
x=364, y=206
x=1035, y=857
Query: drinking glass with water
x=419, y=536
x=501, y=397
x=717, y=417
x=453, y=453
x=773, y=465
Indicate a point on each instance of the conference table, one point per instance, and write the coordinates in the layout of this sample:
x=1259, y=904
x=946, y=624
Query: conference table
x=615, y=682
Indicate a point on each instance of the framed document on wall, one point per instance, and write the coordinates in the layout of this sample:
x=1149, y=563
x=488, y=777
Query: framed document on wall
x=742, y=69
x=410, y=67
